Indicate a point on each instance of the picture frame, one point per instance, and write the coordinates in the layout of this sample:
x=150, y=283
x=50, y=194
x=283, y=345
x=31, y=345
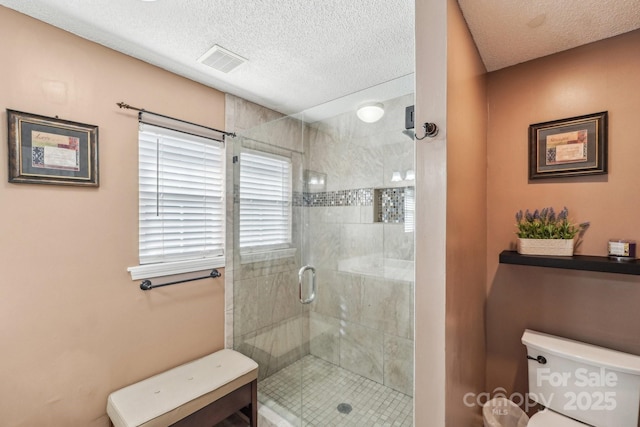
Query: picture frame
x=575, y=146
x=48, y=150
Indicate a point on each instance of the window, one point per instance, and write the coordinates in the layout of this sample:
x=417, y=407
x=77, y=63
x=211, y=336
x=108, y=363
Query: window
x=181, y=202
x=265, y=201
x=409, y=209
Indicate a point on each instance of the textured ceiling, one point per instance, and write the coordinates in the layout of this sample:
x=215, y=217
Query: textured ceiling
x=304, y=54
x=508, y=32
x=300, y=53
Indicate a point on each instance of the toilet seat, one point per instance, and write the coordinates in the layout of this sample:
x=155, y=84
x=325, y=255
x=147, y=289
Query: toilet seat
x=548, y=418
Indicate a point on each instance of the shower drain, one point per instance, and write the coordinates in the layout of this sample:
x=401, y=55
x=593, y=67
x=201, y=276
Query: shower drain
x=344, y=408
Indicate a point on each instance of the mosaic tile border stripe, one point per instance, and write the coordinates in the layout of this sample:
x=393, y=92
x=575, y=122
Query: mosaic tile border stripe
x=389, y=203
x=355, y=197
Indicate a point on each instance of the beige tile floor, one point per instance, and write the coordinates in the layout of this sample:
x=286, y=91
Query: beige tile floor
x=326, y=386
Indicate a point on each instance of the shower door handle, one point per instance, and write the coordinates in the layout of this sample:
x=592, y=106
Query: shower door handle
x=301, y=272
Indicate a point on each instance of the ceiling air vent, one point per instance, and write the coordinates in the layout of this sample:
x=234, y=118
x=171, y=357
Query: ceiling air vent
x=221, y=59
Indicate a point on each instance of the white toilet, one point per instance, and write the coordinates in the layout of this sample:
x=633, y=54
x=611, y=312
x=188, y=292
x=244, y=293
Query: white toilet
x=581, y=383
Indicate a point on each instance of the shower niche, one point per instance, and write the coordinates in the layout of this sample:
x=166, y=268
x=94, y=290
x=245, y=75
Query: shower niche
x=393, y=205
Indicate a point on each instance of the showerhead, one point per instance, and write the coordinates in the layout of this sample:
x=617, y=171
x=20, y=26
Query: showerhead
x=411, y=134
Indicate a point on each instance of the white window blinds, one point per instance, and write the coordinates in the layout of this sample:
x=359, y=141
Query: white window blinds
x=181, y=196
x=265, y=201
x=409, y=209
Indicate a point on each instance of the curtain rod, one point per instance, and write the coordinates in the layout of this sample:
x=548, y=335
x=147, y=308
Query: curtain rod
x=142, y=110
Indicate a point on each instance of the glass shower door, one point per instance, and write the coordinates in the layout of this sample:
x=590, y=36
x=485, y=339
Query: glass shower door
x=269, y=321
x=358, y=191
x=338, y=351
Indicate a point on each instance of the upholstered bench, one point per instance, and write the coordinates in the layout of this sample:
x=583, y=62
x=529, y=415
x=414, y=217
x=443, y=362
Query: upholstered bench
x=200, y=393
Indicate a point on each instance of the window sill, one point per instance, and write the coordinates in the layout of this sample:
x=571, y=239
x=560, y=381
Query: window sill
x=147, y=271
x=266, y=255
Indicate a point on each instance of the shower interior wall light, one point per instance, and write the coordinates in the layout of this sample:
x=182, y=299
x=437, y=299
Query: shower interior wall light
x=410, y=175
x=370, y=112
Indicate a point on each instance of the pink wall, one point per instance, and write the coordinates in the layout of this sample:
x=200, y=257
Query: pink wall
x=73, y=324
x=466, y=220
x=595, y=307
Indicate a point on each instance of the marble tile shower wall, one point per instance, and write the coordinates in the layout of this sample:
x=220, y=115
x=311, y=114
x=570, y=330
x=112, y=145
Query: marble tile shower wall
x=263, y=316
x=270, y=325
x=362, y=318
x=361, y=321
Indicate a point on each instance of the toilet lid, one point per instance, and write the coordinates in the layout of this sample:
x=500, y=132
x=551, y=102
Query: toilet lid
x=548, y=418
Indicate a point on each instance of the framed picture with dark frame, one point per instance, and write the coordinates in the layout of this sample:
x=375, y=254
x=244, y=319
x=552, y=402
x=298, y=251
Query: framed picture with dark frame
x=576, y=146
x=47, y=150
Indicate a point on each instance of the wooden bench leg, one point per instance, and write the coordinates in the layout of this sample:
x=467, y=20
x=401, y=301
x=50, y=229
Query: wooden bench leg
x=253, y=420
x=251, y=410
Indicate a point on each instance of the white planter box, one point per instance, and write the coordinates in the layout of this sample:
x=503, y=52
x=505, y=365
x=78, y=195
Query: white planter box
x=554, y=247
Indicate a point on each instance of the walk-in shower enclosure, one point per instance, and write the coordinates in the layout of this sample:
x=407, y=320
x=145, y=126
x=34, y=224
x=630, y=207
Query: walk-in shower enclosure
x=335, y=196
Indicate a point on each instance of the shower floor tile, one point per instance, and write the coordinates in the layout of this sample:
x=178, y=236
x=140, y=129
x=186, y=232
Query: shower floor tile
x=325, y=388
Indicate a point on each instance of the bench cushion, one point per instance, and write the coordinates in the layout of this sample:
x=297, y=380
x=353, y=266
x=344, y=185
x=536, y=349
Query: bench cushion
x=168, y=397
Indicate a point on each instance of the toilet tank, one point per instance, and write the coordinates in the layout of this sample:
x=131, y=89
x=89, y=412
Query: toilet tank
x=595, y=385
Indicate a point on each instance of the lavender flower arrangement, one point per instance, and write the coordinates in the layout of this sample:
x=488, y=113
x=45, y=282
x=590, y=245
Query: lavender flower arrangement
x=545, y=224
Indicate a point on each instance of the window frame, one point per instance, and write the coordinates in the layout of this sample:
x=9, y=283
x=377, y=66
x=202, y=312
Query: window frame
x=197, y=263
